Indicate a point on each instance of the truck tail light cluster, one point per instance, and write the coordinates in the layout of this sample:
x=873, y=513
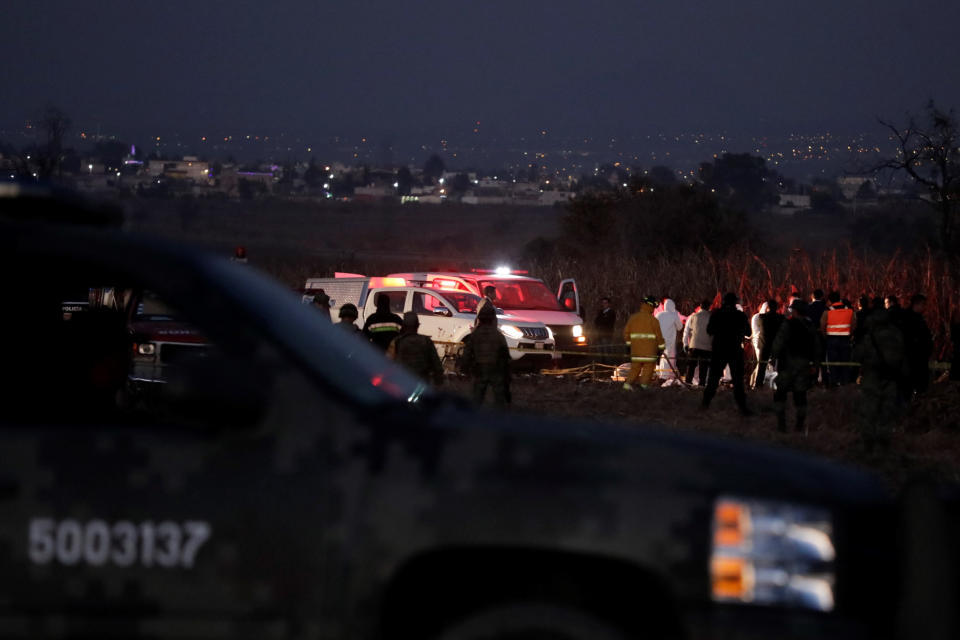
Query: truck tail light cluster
x=772, y=553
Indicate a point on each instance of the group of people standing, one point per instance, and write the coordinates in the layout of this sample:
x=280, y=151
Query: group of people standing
x=485, y=357
x=884, y=346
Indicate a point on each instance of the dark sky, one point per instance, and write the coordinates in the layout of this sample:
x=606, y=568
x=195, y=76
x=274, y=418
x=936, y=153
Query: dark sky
x=424, y=66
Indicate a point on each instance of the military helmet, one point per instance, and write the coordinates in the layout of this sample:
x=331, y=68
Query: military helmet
x=349, y=310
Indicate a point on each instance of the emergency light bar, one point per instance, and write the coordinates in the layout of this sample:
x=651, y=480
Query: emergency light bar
x=502, y=271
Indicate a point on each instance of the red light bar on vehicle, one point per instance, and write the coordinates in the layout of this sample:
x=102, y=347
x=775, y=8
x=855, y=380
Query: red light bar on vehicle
x=443, y=283
x=502, y=271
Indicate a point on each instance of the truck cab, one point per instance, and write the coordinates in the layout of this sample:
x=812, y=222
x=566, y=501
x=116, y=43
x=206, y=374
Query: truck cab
x=446, y=316
x=520, y=296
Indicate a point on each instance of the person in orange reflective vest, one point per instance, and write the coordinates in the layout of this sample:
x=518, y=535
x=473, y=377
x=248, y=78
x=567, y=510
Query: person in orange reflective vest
x=838, y=325
x=646, y=343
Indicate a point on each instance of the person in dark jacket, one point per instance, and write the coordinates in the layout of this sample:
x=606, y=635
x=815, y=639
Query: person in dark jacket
x=382, y=326
x=817, y=307
x=815, y=310
x=770, y=322
x=321, y=302
x=604, y=325
x=863, y=312
x=415, y=351
x=797, y=350
x=728, y=327
x=489, y=299
x=486, y=359
x=882, y=353
x=348, y=317
x=919, y=347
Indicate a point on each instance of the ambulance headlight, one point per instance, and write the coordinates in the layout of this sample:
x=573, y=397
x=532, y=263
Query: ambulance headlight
x=772, y=553
x=511, y=331
x=146, y=349
x=577, y=330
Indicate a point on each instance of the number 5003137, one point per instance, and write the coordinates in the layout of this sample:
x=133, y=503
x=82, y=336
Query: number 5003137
x=164, y=544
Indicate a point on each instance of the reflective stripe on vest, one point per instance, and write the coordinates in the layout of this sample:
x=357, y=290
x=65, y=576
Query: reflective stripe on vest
x=839, y=322
x=643, y=336
x=379, y=327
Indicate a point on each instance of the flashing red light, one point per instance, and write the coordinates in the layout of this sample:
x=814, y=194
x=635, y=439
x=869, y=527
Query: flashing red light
x=376, y=380
x=440, y=283
x=502, y=272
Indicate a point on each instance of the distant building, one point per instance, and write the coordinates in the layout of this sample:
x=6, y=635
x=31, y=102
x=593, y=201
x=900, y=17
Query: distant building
x=187, y=169
x=794, y=201
x=851, y=185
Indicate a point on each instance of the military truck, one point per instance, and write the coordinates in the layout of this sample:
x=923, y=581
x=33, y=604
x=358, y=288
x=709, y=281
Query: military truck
x=296, y=484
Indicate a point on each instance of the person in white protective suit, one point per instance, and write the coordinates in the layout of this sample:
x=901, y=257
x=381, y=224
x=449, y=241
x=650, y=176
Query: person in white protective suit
x=756, y=329
x=670, y=325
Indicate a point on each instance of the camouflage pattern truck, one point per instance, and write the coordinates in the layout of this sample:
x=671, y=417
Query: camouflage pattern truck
x=295, y=484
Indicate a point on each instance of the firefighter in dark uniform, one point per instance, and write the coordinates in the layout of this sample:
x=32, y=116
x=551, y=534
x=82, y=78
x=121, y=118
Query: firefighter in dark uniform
x=883, y=359
x=797, y=350
x=383, y=325
x=416, y=352
x=486, y=359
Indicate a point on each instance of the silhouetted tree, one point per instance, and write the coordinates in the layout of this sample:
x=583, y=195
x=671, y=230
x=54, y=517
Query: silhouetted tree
x=648, y=219
x=314, y=175
x=54, y=124
x=404, y=181
x=741, y=180
x=928, y=151
x=433, y=168
x=662, y=175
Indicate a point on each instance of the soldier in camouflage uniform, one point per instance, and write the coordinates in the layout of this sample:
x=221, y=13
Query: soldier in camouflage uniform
x=416, y=352
x=486, y=359
x=882, y=355
x=797, y=350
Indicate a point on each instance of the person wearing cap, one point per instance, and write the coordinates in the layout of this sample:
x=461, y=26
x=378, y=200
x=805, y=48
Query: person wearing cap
x=796, y=348
x=486, y=358
x=382, y=326
x=348, y=317
x=416, y=352
x=728, y=327
x=645, y=338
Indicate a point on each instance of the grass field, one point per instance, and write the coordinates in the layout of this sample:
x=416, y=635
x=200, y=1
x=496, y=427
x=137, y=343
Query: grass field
x=925, y=444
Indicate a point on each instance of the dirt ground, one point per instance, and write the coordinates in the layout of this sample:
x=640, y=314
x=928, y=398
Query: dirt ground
x=926, y=442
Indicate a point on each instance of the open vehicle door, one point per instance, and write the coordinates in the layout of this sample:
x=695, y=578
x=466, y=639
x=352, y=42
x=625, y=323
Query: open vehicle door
x=568, y=296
